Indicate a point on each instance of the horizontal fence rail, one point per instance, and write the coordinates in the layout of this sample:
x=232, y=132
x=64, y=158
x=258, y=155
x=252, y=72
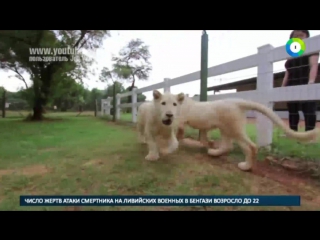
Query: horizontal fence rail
x=265, y=93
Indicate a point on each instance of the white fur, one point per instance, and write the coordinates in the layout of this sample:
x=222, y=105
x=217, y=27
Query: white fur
x=151, y=127
x=229, y=115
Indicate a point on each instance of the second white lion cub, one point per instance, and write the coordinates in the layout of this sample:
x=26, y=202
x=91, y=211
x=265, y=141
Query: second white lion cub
x=155, y=123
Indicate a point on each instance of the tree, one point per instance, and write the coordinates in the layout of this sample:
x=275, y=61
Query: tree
x=15, y=48
x=94, y=95
x=2, y=89
x=107, y=75
x=133, y=62
x=140, y=97
x=109, y=93
x=67, y=94
x=109, y=90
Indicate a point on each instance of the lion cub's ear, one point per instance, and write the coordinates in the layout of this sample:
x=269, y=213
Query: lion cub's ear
x=180, y=97
x=156, y=94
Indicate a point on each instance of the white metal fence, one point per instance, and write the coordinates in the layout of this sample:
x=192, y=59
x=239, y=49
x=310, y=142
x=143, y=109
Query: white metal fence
x=265, y=93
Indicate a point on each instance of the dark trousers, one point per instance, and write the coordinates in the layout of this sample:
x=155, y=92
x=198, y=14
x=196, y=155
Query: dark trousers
x=309, y=112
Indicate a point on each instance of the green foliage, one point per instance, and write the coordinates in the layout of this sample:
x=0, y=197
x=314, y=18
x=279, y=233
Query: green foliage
x=48, y=77
x=113, y=76
x=2, y=89
x=16, y=99
x=68, y=94
x=118, y=89
x=133, y=62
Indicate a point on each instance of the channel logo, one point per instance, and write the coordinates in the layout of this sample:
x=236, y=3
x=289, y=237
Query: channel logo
x=295, y=47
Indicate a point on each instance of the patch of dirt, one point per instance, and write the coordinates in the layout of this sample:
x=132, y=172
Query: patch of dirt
x=279, y=174
x=48, y=150
x=272, y=178
x=296, y=183
x=269, y=177
x=286, y=170
x=27, y=171
x=106, y=163
x=93, y=162
x=303, y=167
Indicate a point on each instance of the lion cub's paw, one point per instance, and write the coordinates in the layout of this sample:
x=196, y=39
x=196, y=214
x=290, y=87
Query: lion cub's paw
x=244, y=166
x=152, y=157
x=174, y=146
x=165, y=151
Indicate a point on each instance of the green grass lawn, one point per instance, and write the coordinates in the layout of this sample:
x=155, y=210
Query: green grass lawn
x=90, y=156
x=22, y=114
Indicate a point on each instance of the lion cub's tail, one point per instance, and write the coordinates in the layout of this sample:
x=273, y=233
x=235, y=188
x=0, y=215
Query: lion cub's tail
x=302, y=136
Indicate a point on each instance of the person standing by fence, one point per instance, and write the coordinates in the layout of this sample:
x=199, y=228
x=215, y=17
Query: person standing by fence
x=300, y=71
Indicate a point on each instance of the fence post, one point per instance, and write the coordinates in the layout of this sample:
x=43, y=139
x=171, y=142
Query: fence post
x=204, y=75
x=166, y=85
x=102, y=107
x=264, y=85
x=134, y=105
x=108, y=108
x=204, y=67
x=117, y=110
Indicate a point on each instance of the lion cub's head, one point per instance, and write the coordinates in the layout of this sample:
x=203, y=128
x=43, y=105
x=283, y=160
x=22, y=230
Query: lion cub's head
x=167, y=106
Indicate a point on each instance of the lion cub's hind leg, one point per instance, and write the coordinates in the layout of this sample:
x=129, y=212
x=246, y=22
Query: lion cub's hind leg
x=250, y=151
x=235, y=130
x=141, y=136
x=225, y=146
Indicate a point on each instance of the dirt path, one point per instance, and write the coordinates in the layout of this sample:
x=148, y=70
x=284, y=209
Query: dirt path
x=267, y=179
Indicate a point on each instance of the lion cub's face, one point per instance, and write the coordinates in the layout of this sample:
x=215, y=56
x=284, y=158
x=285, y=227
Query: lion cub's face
x=167, y=105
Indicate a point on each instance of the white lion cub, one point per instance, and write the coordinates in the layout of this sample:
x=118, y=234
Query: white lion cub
x=155, y=123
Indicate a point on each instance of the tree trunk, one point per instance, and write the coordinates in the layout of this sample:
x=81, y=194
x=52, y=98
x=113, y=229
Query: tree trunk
x=37, y=102
x=41, y=88
x=37, y=110
x=96, y=108
x=130, y=89
x=114, y=103
x=4, y=104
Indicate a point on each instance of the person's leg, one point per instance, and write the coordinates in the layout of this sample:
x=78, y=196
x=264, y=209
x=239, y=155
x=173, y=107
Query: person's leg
x=309, y=112
x=293, y=108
